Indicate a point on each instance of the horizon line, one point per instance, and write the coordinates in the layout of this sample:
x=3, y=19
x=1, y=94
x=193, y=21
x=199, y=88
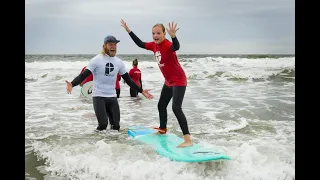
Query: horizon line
x=151, y=54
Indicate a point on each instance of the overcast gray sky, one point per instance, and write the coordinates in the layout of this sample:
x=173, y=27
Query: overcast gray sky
x=206, y=26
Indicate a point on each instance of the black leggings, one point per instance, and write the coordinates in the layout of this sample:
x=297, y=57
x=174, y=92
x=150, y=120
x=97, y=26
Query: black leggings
x=107, y=108
x=177, y=94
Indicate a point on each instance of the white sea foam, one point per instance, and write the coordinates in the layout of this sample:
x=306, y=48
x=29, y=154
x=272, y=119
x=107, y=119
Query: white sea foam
x=253, y=122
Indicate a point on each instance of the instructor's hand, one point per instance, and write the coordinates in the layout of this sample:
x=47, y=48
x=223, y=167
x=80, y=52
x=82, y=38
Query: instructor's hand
x=124, y=24
x=146, y=94
x=69, y=87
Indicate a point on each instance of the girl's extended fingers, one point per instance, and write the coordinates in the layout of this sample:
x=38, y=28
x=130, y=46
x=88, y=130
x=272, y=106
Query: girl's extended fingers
x=175, y=26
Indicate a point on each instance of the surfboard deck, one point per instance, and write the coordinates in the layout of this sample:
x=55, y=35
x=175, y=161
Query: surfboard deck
x=86, y=89
x=166, y=145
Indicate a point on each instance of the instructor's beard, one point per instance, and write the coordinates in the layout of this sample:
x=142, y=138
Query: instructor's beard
x=111, y=53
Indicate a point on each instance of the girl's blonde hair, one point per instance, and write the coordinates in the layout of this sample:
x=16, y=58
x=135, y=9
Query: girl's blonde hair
x=160, y=25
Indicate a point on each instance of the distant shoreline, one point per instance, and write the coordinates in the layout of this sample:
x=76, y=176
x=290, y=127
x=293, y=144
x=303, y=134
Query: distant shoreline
x=178, y=54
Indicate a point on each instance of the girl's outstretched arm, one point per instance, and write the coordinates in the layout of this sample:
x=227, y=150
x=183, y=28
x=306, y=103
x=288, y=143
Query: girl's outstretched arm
x=137, y=40
x=132, y=35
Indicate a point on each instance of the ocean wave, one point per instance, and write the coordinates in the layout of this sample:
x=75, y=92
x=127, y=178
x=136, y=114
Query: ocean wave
x=198, y=68
x=281, y=75
x=147, y=57
x=34, y=77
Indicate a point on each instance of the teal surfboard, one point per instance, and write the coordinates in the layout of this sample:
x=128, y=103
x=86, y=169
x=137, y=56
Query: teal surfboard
x=166, y=145
x=86, y=89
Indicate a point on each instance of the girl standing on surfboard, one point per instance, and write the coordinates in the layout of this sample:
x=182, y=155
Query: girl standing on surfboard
x=175, y=78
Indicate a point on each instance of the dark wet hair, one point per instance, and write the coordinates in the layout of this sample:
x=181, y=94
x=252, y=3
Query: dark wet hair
x=135, y=62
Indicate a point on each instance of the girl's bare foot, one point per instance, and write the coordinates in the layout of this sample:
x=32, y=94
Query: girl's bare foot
x=187, y=141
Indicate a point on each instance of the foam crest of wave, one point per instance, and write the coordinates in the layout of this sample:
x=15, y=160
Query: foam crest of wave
x=238, y=68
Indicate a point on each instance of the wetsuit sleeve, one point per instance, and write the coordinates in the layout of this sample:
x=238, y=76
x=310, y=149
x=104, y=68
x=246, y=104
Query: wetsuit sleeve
x=141, y=83
x=131, y=83
x=144, y=45
x=119, y=77
x=140, y=79
x=77, y=80
x=137, y=40
x=175, y=44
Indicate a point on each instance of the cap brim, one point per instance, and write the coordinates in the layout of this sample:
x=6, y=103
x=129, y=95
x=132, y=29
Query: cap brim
x=117, y=41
